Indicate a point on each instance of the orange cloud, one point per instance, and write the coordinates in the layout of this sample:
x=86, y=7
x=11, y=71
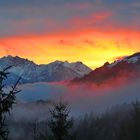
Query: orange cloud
x=92, y=47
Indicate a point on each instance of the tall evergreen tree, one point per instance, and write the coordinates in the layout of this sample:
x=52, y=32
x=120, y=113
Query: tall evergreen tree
x=130, y=127
x=7, y=99
x=60, y=122
x=135, y=124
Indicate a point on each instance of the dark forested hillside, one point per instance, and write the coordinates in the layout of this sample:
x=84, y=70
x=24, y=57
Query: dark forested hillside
x=121, y=122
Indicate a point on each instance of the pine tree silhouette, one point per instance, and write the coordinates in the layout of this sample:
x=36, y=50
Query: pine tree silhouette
x=135, y=125
x=60, y=122
x=6, y=102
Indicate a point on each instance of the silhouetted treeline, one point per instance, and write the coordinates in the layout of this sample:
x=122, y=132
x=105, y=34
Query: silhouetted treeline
x=119, y=123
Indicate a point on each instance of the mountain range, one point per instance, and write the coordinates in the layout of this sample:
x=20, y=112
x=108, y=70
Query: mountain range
x=123, y=70
x=52, y=72
x=127, y=68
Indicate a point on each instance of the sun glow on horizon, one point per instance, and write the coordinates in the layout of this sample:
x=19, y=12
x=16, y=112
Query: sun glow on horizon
x=92, y=48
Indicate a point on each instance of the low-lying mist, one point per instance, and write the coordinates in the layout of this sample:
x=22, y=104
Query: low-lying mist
x=82, y=98
x=34, y=101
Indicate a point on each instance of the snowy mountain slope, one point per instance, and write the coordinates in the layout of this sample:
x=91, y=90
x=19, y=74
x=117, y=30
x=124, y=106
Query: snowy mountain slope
x=55, y=71
x=135, y=58
x=126, y=69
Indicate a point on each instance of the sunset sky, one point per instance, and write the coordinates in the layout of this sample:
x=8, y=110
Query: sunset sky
x=91, y=31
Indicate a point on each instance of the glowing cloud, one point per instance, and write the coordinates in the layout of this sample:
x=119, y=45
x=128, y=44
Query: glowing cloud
x=94, y=48
x=91, y=32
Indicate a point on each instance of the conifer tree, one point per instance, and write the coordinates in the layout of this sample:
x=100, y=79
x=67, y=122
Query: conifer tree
x=60, y=123
x=135, y=124
x=7, y=99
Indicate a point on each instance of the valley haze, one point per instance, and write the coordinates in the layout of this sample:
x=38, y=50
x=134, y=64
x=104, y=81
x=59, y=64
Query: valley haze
x=85, y=89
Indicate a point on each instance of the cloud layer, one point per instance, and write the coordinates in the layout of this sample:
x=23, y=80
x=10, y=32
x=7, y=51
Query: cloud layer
x=52, y=29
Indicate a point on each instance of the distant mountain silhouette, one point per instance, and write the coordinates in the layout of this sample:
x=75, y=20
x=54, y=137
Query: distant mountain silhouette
x=126, y=69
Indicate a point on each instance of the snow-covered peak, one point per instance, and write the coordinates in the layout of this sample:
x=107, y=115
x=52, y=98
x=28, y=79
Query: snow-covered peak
x=77, y=67
x=80, y=68
x=15, y=60
x=129, y=59
x=114, y=63
x=55, y=71
x=133, y=58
